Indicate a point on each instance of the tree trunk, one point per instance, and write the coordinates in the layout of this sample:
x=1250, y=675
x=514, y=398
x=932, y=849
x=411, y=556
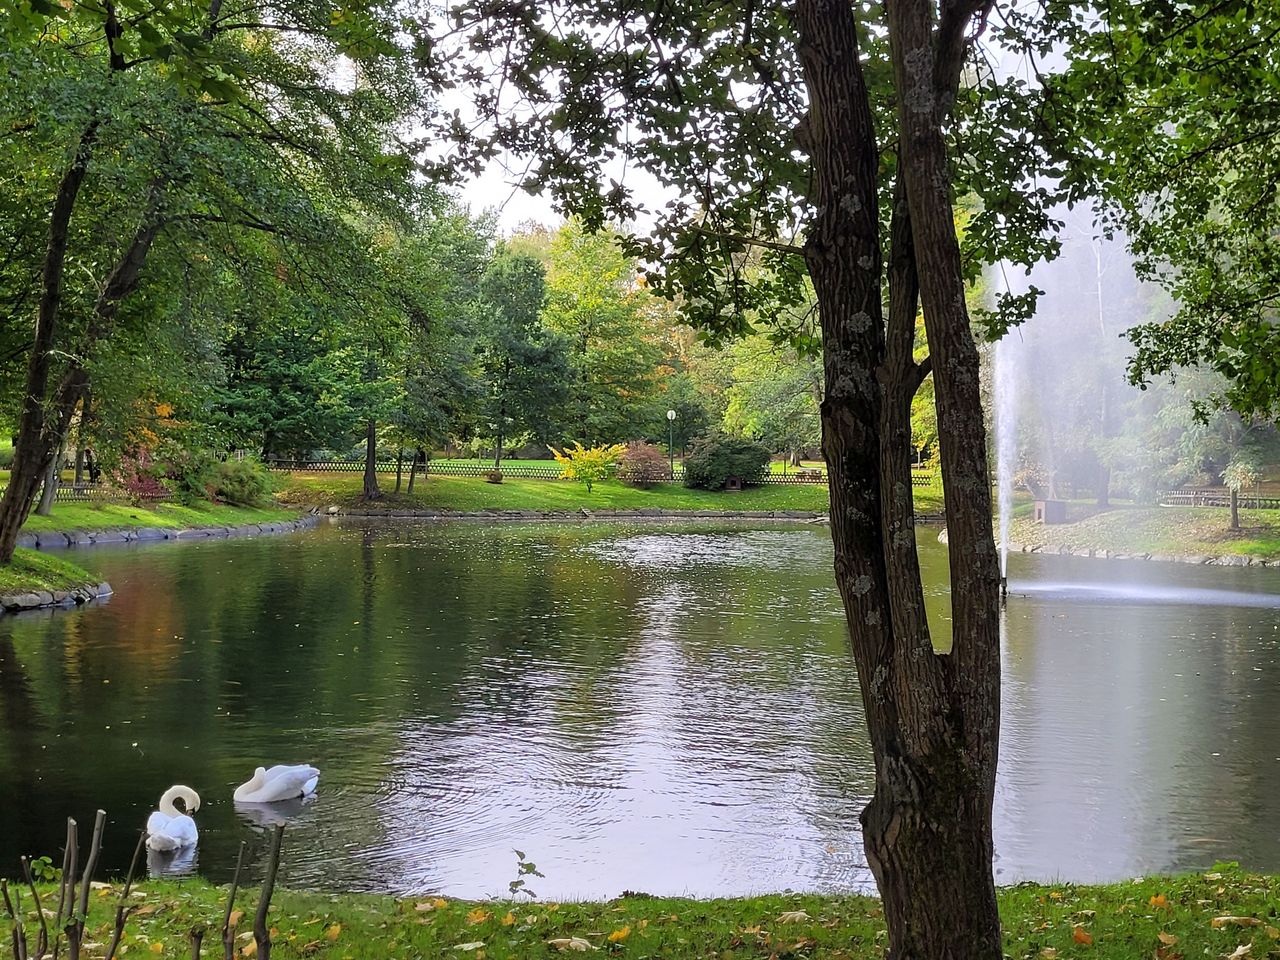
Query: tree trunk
x=932, y=717
x=371, y=489
x=1235, y=509
x=35, y=442
x=399, y=465
x=49, y=490
x=1104, y=486
x=413, y=468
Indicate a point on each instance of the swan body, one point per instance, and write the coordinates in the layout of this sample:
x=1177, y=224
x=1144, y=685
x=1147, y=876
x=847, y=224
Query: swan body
x=170, y=829
x=281, y=782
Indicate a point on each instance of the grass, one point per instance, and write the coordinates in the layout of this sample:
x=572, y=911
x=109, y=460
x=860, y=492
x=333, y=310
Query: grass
x=33, y=571
x=167, y=516
x=1169, y=531
x=1212, y=915
x=474, y=493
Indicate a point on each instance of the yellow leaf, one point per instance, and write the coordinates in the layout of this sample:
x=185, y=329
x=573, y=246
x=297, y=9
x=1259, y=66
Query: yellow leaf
x=750, y=929
x=1218, y=922
x=620, y=934
x=1168, y=939
x=1082, y=936
x=1049, y=953
x=249, y=950
x=644, y=923
x=1273, y=933
x=793, y=916
x=1054, y=894
x=157, y=947
x=333, y=932
x=439, y=903
x=478, y=915
x=509, y=919
x=1160, y=902
x=236, y=917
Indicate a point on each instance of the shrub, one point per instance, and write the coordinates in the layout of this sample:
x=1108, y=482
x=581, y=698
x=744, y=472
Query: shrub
x=716, y=459
x=140, y=476
x=189, y=476
x=242, y=483
x=6, y=457
x=494, y=476
x=588, y=464
x=642, y=465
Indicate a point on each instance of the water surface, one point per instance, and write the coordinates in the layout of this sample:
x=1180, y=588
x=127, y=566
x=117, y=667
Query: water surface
x=658, y=707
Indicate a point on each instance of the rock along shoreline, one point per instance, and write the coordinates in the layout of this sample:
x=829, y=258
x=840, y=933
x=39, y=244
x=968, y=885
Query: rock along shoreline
x=42, y=599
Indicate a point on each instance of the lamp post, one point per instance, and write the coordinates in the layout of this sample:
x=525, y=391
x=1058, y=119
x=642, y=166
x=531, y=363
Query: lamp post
x=671, y=442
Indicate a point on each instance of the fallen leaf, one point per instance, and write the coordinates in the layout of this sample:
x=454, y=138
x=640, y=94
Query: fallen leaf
x=236, y=917
x=1054, y=894
x=1083, y=936
x=1239, y=952
x=476, y=945
x=1218, y=922
x=1160, y=902
x=157, y=947
x=1049, y=953
x=1272, y=932
x=509, y=919
x=1213, y=876
x=439, y=903
x=311, y=947
x=644, y=923
x=478, y=915
x=1167, y=953
x=751, y=930
x=620, y=934
x=333, y=932
x=249, y=950
x=424, y=907
x=571, y=943
x=793, y=916
x=1168, y=939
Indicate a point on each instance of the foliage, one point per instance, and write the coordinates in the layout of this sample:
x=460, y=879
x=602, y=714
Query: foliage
x=589, y=465
x=140, y=476
x=774, y=396
x=642, y=465
x=717, y=459
x=241, y=483
x=1164, y=113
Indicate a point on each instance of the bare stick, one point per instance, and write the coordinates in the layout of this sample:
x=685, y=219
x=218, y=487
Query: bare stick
x=90, y=865
x=67, y=893
x=197, y=938
x=228, y=934
x=261, y=934
x=42, y=943
x=19, y=935
x=122, y=908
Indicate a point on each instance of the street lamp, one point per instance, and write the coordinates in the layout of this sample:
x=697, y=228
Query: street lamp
x=671, y=441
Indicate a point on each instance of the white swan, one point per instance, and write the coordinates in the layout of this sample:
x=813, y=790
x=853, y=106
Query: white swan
x=281, y=782
x=169, y=828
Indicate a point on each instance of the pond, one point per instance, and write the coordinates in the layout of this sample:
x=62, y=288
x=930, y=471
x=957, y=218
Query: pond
x=658, y=707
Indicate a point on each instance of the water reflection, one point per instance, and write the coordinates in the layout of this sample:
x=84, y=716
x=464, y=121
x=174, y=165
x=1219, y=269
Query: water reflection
x=664, y=708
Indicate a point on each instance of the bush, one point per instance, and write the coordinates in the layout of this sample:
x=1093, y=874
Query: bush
x=141, y=477
x=242, y=483
x=6, y=457
x=189, y=477
x=715, y=460
x=588, y=464
x=642, y=465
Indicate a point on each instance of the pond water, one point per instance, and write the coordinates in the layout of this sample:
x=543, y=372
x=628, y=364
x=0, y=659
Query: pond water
x=667, y=708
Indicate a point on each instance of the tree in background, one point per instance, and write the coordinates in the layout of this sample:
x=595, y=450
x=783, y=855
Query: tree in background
x=526, y=366
x=775, y=396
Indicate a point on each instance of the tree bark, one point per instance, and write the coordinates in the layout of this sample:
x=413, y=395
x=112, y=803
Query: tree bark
x=399, y=465
x=371, y=489
x=49, y=489
x=1235, y=509
x=932, y=717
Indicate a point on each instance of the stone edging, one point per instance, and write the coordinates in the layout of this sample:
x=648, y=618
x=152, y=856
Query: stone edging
x=38, y=599
x=1226, y=560
x=80, y=538
x=649, y=513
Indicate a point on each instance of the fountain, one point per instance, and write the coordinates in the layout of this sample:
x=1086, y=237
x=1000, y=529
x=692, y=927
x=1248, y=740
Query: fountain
x=1006, y=425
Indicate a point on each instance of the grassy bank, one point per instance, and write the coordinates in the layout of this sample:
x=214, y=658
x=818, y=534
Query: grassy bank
x=35, y=572
x=474, y=493
x=1167, y=531
x=1217, y=914
x=165, y=516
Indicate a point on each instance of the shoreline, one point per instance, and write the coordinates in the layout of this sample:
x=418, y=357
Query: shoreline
x=37, y=596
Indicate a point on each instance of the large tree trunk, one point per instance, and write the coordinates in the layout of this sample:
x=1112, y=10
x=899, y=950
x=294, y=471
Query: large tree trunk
x=399, y=465
x=1235, y=509
x=35, y=441
x=49, y=490
x=932, y=717
x=371, y=489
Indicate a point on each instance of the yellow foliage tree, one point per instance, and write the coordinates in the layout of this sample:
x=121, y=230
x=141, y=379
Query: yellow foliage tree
x=588, y=464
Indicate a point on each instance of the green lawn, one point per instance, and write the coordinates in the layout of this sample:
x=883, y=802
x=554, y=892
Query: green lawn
x=33, y=571
x=1172, y=531
x=474, y=493
x=1202, y=915
x=167, y=516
